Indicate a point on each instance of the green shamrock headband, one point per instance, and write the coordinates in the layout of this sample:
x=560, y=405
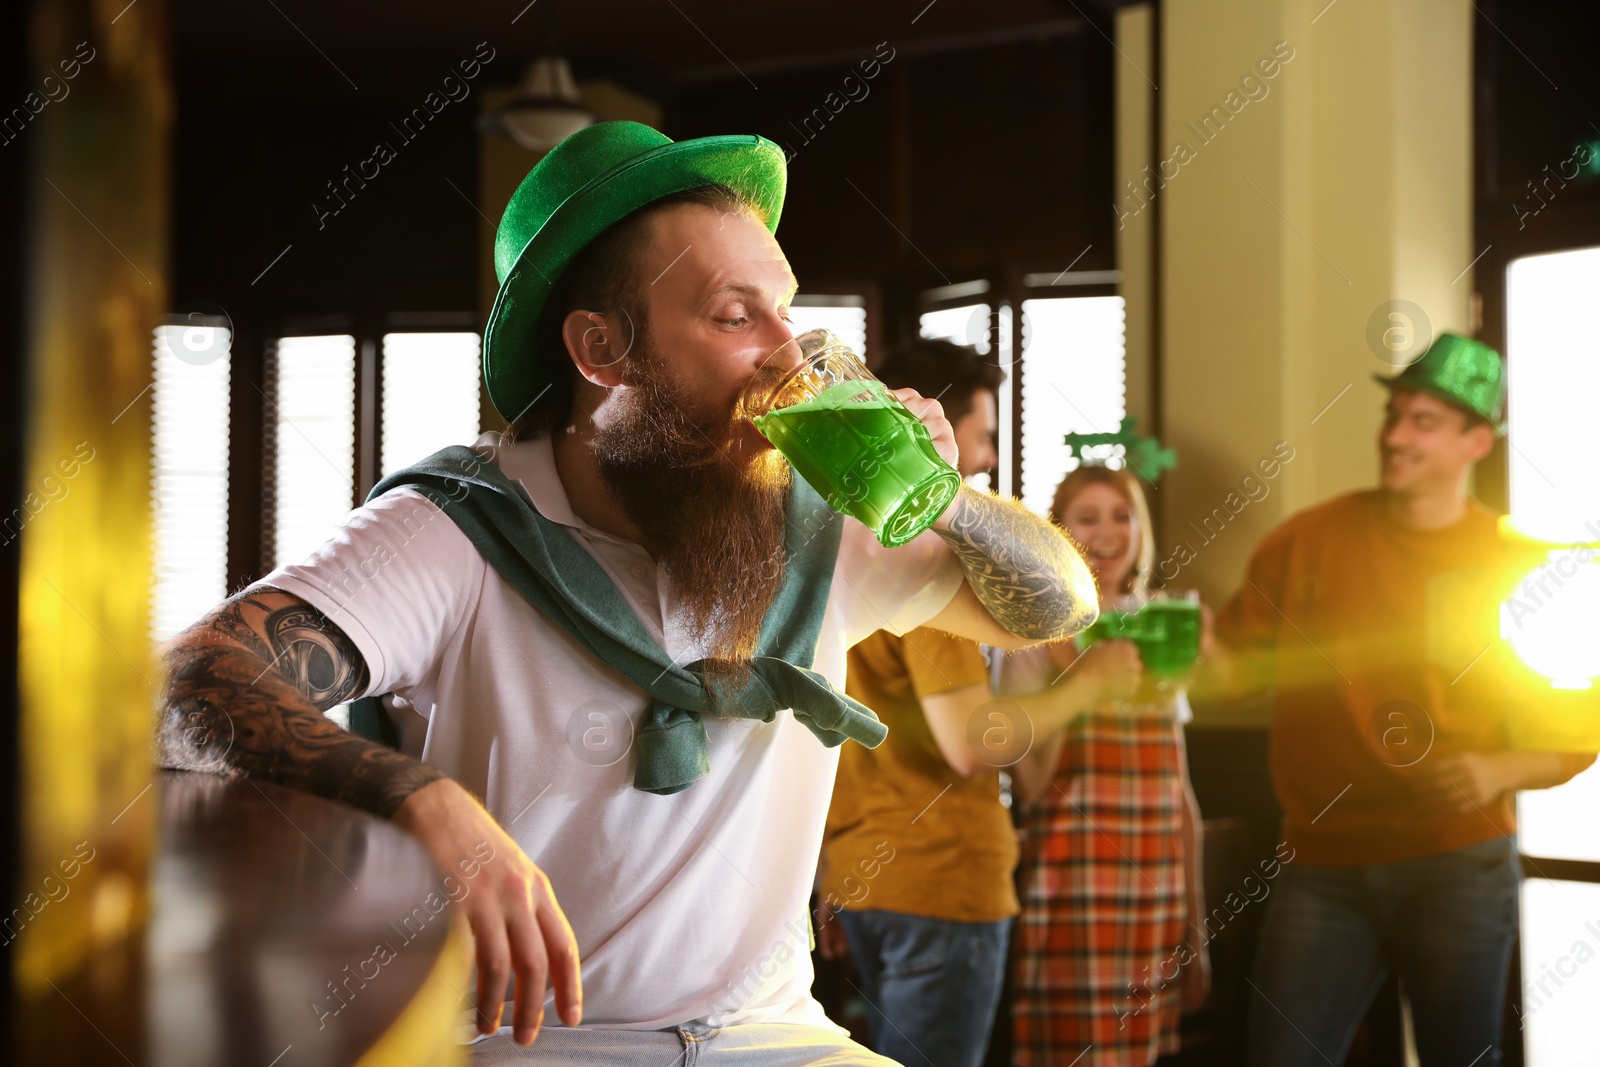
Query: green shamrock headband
x=1144, y=454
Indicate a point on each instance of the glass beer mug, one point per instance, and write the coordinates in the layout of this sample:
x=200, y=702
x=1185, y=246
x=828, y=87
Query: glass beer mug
x=1166, y=630
x=854, y=442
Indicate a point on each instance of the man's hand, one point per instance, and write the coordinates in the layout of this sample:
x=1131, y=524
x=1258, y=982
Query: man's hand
x=831, y=941
x=517, y=926
x=1195, y=982
x=931, y=412
x=1111, y=670
x=1462, y=781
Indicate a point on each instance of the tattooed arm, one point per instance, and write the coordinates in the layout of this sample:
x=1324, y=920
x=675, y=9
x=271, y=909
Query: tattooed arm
x=1025, y=580
x=246, y=690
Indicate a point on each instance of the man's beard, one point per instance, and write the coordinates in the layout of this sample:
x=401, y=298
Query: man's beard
x=713, y=513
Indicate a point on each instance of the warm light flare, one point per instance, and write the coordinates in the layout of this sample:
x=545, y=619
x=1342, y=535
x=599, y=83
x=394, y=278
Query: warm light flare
x=1552, y=618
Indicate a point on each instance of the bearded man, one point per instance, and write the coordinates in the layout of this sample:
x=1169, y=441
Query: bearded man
x=622, y=625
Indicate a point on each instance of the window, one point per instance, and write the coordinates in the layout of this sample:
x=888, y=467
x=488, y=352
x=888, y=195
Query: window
x=1073, y=368
x=1553, y=360
x=310, y=420
x=1559, y=823
x=844, y=315
x=189, y=474
x=423, y=387
x=1560, y=973
x=988, y=333
x=964, y=324
x=430, y=395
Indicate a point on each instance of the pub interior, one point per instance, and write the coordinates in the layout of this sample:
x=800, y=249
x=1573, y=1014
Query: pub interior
x=1275, y=318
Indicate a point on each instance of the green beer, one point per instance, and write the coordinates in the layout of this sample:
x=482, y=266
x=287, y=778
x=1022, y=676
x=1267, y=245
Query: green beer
x=867, y=456
x=1167, y=633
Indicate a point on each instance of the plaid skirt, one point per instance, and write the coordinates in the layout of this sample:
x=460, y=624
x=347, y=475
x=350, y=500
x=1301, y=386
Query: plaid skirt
x=1103, y=899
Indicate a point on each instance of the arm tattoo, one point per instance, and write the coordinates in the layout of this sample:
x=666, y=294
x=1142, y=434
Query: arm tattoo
x=1024, y=570
x=245, y=696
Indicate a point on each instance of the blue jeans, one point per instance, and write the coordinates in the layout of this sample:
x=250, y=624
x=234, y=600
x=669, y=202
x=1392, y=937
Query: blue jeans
x=1331, y=934
x=931, y=985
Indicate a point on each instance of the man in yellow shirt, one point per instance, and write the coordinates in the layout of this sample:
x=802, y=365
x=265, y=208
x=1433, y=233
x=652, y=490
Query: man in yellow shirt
x=918, y=852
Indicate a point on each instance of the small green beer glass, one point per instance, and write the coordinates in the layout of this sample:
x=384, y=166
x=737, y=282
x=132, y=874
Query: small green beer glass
x=1167, y=632
x=854, y=442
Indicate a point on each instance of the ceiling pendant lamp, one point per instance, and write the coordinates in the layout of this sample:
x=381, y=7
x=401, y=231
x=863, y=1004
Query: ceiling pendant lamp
x=546, y=110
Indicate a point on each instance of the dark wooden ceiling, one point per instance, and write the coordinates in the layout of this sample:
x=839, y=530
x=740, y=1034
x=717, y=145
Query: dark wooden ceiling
x=305, y=47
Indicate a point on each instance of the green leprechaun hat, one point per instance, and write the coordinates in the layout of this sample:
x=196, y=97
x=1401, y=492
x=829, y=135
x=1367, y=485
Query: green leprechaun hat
x=583, y=185
x=1462, y=372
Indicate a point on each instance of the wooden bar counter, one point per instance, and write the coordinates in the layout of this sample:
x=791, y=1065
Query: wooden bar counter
x=287, y=931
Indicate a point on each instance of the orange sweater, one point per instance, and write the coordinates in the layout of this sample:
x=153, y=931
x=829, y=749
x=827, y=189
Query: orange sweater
x=1334, y=610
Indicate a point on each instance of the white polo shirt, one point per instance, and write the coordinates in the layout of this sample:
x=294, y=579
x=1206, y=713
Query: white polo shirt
x=690, y=908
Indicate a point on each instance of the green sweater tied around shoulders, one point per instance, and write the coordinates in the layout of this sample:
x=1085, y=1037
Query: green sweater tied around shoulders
x=559, y=577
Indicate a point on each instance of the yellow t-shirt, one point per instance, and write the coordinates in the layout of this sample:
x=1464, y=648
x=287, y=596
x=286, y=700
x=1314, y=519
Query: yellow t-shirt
x=905, y=833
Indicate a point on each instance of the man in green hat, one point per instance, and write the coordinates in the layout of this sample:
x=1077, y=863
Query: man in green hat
x=1393, y=771
x=622, y=625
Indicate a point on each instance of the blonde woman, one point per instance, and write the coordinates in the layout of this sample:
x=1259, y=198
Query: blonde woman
x=1106, y=960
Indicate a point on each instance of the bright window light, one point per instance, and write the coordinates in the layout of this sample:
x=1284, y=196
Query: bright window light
x=1553, y=363
x=1560, y=973
x=845, y=316
x=976, y=325
x=1558, y=638
x=1073, y=381
x=965, y=325
x=1558, y=823
x=430, y=395
x=189, y=474
x=312, y=425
